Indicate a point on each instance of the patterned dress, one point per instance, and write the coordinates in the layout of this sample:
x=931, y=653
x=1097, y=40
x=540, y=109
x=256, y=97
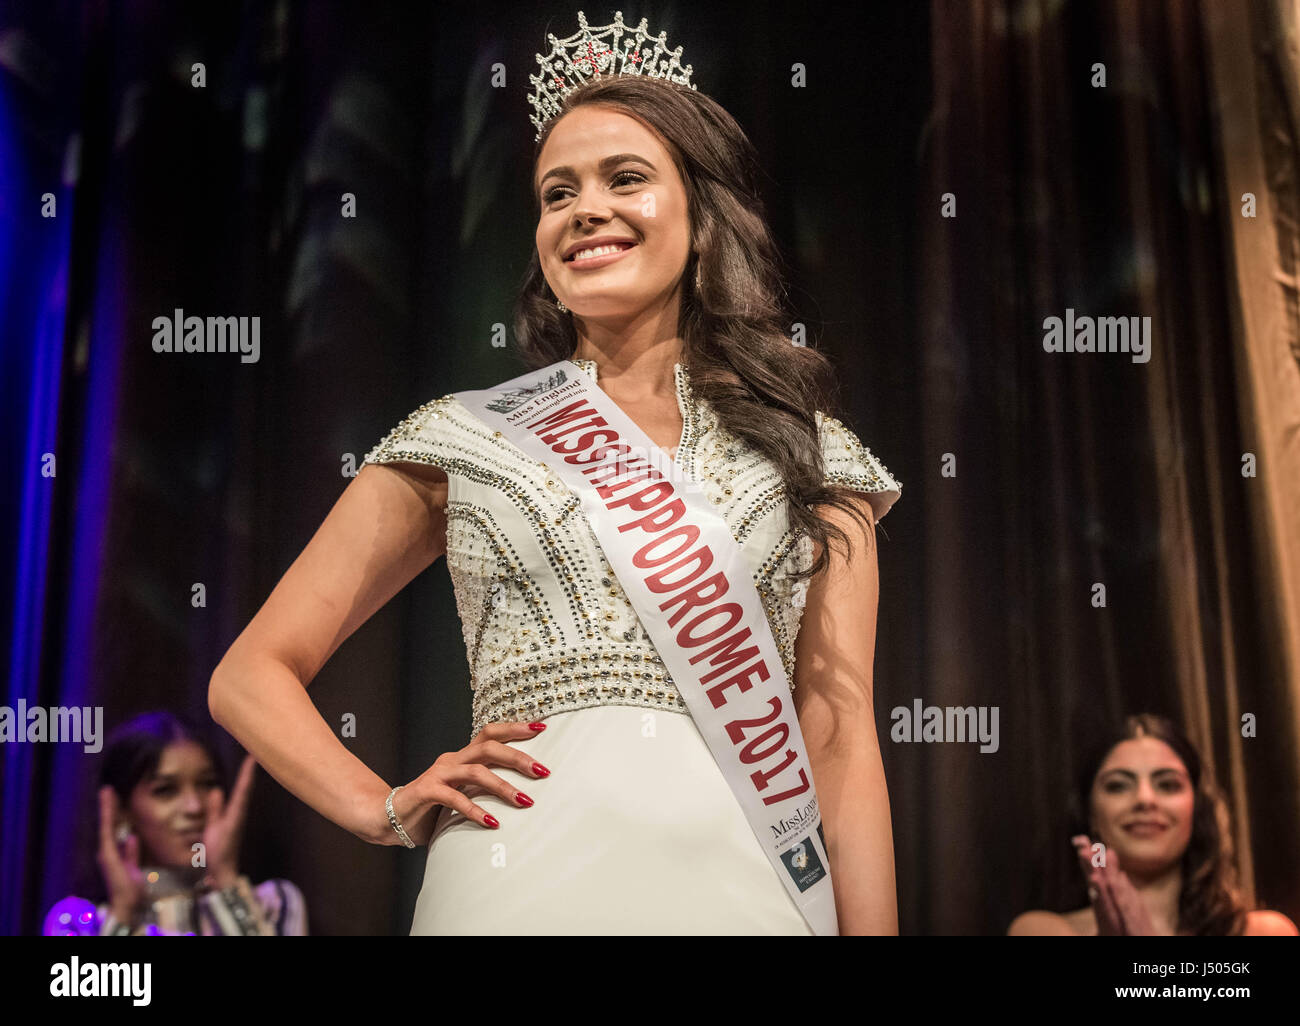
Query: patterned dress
x=274, y=908
x=635, y=831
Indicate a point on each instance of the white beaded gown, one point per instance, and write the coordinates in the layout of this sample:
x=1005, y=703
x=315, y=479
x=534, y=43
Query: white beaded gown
x=635, y=831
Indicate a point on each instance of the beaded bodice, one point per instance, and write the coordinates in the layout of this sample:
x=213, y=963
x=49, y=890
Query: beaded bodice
x=547, y=626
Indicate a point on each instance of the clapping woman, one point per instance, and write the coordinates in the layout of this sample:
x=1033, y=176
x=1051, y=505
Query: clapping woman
x=1157, y=854
x=168, y=844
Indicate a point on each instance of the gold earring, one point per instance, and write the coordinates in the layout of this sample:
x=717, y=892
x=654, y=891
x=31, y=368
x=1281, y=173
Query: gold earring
x=561, y=306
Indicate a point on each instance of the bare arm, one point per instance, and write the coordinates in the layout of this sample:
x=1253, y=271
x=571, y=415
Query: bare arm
x=1263, y=923
x=1040, y=923
x=387, y=526
x=834, y=653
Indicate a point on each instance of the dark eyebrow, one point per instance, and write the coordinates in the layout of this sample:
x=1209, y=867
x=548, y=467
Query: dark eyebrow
x=617, y=158
x=1132, y=775
x=168, y=778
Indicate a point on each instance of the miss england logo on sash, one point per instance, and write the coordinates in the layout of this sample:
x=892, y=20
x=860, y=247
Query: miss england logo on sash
x=693, y=590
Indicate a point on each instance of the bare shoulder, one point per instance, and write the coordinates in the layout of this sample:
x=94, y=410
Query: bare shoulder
x=859, y=526
x=1265, y=923
x=1041, y=923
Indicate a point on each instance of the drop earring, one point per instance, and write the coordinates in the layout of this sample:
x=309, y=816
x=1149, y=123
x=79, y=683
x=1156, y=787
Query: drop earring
x=561, y=306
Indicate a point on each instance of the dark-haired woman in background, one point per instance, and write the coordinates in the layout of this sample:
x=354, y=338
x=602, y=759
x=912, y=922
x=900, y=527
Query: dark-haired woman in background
x=1162, y=827
x=162, y=796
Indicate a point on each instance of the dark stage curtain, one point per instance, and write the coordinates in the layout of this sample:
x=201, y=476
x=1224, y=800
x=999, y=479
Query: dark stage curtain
x=1076, y=469
x=1071, y=469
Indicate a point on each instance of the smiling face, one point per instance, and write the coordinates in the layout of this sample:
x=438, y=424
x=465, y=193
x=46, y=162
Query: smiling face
x=604, y=174
x=1142, y=805
x=169, y=809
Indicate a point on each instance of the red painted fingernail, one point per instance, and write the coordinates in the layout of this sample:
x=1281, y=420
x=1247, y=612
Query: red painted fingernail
x=491, y=821
x=537, y=726
x=541, y=770
x=523, y=799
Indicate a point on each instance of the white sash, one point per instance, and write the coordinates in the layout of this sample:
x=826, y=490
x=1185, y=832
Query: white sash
x=693, y=589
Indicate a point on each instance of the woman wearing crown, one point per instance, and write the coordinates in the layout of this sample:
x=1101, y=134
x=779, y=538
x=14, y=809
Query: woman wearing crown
x=644, y=756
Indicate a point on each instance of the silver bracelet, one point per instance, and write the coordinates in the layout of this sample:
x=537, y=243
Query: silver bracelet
x=392, y=817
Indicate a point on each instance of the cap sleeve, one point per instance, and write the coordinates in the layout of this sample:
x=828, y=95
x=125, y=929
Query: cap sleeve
x=848, y=462
x=423, y=437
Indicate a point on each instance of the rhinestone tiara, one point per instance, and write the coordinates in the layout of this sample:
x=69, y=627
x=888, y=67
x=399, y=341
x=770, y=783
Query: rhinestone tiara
x=589, y=53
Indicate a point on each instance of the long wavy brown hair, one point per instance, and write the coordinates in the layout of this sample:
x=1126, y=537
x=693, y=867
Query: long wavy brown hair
x=1210, y=903
x=764, y=389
